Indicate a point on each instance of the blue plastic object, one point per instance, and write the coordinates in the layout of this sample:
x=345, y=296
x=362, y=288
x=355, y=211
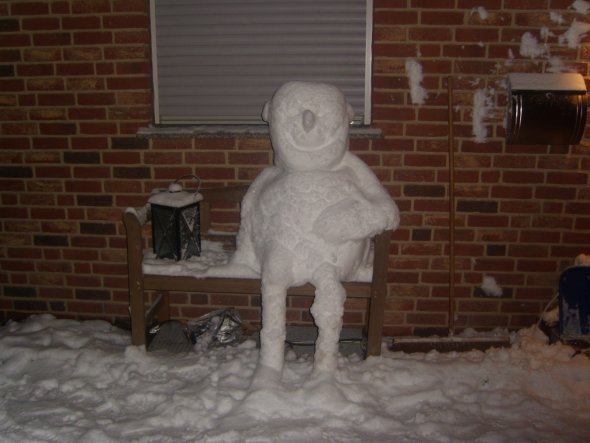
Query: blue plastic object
x=574, y=302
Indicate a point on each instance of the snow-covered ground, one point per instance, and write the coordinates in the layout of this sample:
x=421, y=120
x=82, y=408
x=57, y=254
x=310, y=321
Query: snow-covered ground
x=66, y=381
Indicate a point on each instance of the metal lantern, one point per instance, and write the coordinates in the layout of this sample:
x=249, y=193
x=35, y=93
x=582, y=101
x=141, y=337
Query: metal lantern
x=175, y=222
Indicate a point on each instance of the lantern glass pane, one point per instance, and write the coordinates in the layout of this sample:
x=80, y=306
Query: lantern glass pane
x=164, y=232
x=189, y=228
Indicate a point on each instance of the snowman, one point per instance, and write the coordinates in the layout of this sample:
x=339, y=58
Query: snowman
x=309, y=217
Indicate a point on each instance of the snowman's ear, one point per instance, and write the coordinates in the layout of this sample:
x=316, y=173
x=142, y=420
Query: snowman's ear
x=266, y=112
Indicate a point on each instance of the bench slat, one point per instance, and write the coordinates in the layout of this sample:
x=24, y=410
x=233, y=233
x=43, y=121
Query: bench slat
x=236, y=286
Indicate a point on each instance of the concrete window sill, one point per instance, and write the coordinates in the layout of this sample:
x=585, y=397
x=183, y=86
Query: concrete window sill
x=235, y=131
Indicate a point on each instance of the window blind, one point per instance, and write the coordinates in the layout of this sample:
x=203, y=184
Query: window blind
x=219, y=61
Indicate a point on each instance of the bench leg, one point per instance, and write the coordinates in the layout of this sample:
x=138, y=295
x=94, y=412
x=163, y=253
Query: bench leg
x=374, y=327
x=378, y=294
x=137, y=313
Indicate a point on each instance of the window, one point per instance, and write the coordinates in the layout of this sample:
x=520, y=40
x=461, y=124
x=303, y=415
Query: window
x=219, y=61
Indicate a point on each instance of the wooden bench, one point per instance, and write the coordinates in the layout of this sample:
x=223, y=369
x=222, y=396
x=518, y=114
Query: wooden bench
x=142, y=316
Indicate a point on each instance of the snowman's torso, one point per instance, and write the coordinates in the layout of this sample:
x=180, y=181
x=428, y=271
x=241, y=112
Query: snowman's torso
x=285, y=211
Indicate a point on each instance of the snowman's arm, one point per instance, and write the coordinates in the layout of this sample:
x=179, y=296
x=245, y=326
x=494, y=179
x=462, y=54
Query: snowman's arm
x=259, y=183
x=369, y=185
x=369, y=210
x=245, y=254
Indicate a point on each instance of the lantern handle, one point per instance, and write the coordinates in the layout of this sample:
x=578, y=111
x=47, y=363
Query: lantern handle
x=191, y=176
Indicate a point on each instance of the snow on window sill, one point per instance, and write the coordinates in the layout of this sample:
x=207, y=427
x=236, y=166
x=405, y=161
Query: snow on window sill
x=234, y=131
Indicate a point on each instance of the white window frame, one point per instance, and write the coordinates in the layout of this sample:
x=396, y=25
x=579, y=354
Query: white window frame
x=362, y=99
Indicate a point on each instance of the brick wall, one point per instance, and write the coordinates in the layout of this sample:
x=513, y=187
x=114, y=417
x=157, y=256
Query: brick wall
x=75, y=85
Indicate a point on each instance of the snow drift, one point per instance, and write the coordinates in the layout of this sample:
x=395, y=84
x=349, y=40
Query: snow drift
x=69, y=381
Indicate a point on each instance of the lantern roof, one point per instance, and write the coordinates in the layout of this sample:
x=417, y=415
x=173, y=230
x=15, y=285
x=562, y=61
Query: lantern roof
x=174, y=196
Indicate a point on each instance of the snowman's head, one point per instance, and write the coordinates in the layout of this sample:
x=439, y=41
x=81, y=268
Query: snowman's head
x=308, y=125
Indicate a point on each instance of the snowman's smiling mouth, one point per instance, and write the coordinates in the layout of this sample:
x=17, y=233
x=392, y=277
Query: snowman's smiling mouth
x=308, y=146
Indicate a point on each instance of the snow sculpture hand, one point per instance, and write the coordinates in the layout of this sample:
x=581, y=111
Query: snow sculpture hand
x=349, y=220
x=309, y=218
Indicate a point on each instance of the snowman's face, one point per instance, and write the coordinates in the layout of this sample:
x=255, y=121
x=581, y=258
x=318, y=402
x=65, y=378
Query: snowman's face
x=308, y=126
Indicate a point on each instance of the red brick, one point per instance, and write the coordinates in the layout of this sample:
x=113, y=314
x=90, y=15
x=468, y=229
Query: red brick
x=57, y=128
x=555, y=192
x=106, y=68
x=45, y=84
x=476, y=67
x=488, y=4
x=536, y=266
x=92, y=172
x=70, y=69
x=20, y=128
x=425, y=160
x=100, y=128
x=399, y=17
x=426, y=130
x=17, y=265
x=487, y=321
x=133, y=52
x=477, y=35
x=513, y=192
x=142, y=113
x=85, y=83
x=130, y=6
x=526, y=4
x=96, y=98
x=52, y=39
x=580, y=208
x=109, y=269
x=481, y=221
x=85, y=142
x=133, y=68
x=92, y=38
x=60, y=7
x=26, y=99
x=121, y=158
x=200, y=158
x=132, y=37
x=63, y=99
x=567, y=178
x=15, y=40
x=243, y=158
x=29, y=8
x=40, y=24
x=12, y=115
x=87, y=113
x=389, y=34
x=10, y=55
x=37, y=69
x=162, y=158
x=129, y=83
x=441, y=17
x=430, y=34
x=90, y=6
x=126, y=21
x=80, y=22
x=435, y=4
x=426, y=319
x=394, y=113
x=478, y=305
x=522, y=177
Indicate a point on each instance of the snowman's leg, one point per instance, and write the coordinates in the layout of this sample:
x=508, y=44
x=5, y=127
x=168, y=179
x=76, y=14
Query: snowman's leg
x=327, y=311
x=273, y=333
x=276, y=279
